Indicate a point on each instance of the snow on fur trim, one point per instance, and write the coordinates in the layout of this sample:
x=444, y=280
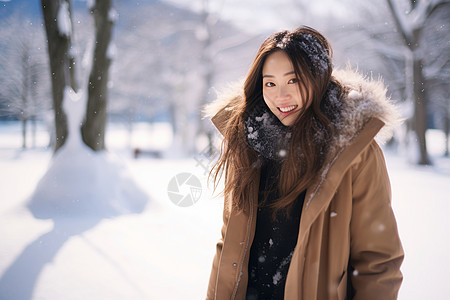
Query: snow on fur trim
x=226, y=98
x=364, y=99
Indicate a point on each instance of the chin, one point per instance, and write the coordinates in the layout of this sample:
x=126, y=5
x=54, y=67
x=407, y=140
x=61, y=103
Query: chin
x=287, y=122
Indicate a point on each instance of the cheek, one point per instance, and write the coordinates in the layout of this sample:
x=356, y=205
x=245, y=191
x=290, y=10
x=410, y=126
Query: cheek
x=267, y=98
x=297, y=92
x=268, y=102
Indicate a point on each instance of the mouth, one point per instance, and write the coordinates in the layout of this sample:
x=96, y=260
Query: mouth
x=285, y=110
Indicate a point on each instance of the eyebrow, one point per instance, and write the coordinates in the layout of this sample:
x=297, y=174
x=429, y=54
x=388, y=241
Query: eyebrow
x=286, y=74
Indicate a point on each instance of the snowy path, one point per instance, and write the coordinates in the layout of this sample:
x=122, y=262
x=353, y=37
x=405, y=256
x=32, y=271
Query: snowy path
x=421, y=202
x=163, y=253
x=166, y=251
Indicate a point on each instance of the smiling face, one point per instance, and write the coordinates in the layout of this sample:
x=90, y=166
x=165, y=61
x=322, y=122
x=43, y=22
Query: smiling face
x=281, y=89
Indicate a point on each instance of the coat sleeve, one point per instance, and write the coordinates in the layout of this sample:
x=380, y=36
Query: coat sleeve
x=211, y=292
x=219, y=120
x=376, y=252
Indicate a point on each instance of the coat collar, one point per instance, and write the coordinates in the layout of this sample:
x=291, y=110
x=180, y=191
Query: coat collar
x=324, y=189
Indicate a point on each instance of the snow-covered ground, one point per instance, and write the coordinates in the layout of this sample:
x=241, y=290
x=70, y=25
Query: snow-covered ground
x=165, y=251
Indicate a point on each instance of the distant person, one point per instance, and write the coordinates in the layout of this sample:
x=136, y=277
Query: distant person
x=307, y=211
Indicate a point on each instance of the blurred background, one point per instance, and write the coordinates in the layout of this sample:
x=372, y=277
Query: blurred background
x=101, y=107
x=165, y=59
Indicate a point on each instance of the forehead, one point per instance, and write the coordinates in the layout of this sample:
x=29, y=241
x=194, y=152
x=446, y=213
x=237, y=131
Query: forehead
x=277, y=63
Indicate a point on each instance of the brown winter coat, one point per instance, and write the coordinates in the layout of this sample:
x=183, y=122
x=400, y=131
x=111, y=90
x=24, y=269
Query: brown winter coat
x=348, y=246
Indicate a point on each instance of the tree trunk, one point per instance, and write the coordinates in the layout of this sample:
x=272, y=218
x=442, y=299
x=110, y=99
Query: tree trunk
x=25, y=108
x=420, y=109
x=93, y=129
x=447, y=132
x=208, y=75
x=33, y=131
x=24, y=133
x=58, y=48
x=412, y=41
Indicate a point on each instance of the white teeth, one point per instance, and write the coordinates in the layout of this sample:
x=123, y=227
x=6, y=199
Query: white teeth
x=288, y=108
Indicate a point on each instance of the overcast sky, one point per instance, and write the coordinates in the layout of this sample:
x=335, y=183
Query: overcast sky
x=264, y=15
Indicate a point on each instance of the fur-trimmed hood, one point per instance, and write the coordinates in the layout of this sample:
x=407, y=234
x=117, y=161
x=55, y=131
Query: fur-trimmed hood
x=365, y=98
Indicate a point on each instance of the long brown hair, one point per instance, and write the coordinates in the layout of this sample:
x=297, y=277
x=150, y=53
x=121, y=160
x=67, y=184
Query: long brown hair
x=310, y=54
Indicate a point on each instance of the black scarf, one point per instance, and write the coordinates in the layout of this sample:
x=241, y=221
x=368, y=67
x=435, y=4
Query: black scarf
x=266, y=134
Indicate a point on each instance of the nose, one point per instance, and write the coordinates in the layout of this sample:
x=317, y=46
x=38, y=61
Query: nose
x=283, y=93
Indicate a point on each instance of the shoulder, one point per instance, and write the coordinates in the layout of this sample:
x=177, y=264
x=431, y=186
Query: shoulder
x=221, y=109
x=369, y=160
x=370, y=178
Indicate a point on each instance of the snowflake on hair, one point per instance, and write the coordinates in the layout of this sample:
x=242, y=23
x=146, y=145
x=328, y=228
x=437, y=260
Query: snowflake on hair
x=315, y=51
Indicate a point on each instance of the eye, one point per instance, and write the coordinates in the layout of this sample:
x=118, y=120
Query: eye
x=293, y=81
x=269, y=84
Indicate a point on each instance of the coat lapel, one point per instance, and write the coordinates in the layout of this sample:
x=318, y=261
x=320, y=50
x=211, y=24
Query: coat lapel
x=319, y=196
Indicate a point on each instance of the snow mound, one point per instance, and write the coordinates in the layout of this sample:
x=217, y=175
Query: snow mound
x=86, y=183
x=80, y=181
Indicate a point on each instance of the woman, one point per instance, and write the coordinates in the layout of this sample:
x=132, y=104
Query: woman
x=307, y=197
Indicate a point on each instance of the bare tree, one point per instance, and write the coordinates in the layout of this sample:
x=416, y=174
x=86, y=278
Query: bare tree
x=58, y=23
x=58, y=26
x=409, y=49
x=215, y=47
x=93, y=129
x=156, y=66
x=22, y=65
x=168, y=72
x=436, y=38
x=410, y=26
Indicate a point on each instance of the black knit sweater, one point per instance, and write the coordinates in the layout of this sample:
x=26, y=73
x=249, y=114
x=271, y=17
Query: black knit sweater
x=274, y=241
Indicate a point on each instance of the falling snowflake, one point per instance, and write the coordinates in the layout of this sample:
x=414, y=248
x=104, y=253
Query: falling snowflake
x=276, y=278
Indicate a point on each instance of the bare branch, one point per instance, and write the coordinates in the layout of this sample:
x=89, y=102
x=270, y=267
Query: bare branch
x=400, y=22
